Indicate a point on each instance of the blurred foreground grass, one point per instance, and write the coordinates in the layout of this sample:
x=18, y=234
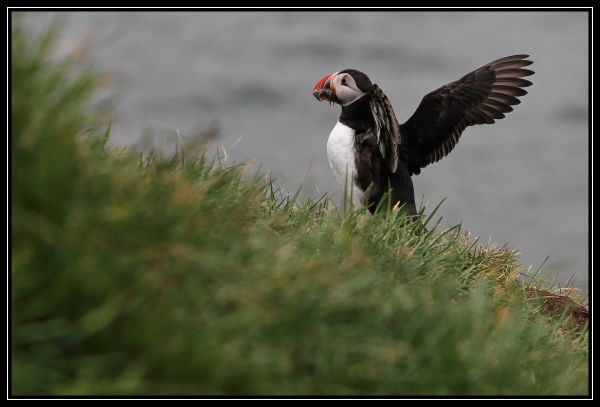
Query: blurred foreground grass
x=138, y=276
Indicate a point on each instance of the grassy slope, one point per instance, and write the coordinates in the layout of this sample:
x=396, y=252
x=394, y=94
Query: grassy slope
x=134, y=276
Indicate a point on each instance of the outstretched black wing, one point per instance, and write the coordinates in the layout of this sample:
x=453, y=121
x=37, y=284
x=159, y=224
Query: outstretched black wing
x=479, y=97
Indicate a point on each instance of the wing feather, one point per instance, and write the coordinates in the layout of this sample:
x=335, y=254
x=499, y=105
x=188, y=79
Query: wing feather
x=387, y=130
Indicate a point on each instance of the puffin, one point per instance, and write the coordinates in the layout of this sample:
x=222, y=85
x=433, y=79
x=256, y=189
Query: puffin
x=373, y=157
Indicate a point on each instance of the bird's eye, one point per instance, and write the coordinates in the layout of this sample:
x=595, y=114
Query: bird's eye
x=343, y=81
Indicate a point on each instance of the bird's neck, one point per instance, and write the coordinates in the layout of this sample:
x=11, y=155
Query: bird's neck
x=358, y=115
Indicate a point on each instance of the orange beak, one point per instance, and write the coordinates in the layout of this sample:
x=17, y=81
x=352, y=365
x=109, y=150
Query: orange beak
x=323, y=90
x=321, y=83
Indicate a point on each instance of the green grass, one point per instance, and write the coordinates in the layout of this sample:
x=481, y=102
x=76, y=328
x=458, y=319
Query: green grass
x=132, y=275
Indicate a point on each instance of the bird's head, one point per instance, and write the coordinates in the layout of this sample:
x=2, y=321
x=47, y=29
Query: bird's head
x=344, y=87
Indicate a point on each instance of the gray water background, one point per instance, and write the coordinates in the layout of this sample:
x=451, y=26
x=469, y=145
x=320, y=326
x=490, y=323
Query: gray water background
x=522, y=181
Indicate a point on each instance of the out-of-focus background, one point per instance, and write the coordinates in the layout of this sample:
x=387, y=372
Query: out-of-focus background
x=522, y=181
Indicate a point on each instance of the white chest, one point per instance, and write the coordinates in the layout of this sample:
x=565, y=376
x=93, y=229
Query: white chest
x=340, y=153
